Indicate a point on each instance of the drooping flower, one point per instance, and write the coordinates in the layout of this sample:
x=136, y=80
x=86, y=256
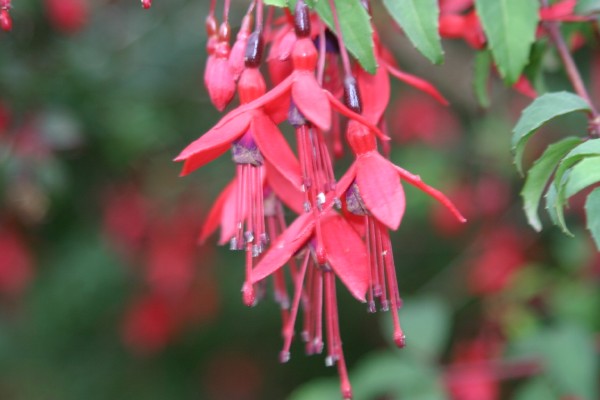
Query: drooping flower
x=5, y=19
x=372, y=189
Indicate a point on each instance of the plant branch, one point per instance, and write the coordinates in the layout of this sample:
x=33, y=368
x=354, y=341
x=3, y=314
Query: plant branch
x=572, y=71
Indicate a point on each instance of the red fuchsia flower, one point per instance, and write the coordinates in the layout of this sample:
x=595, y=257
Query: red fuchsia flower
x=282, y=42
x=372, y=189
x=67, y=16
x=260, y=152
x=466, y=27
x=146, y=4
x=5, y=19
x=171, y=251
x=375, y=88
x=501, y=256
x=330, y=246
x=148, y=325
x=218, y=76
x=418, y=117
x=125, y=219
x=454, y=6
x=472, y=376
x=237, y=55
x=16, y=263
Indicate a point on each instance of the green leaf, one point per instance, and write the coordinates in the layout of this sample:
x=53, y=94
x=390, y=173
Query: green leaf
x=483, y=64
x=386, y=373
x=584, y=174
x=356, y=29
x=554, y=207
x=320, y=389
x=426, y=324
x=589, y=148
x=419, y=20
x=587, y=6
x=510, y=27
x=592, y=213
x=536, y=389
x=569, y=358
x=538, y=176
x=540, y=111
x=276, y=3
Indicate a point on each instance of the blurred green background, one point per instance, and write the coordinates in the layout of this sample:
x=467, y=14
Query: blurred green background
x=104, y=293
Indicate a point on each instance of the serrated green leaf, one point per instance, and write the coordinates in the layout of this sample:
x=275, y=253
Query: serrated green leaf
x=554, y=207
x=419, y=20
x=587, y=6
x=592, y=213
x=569, y=358
x=483, y=64
x=538, y=175
x=584, y=174
x=276, y=3
x=510, y=27
x=356, y=29
x=540, y=111
x=586, y=149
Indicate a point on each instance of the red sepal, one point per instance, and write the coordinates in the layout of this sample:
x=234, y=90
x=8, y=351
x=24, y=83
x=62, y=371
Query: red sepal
x=416, y=181
x=214, y=216
x=346, y=254
x=380, y=189
x=284, y=247
x=308, y=96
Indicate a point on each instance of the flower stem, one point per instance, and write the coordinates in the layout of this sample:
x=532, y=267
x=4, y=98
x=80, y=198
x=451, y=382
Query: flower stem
x=572, y=71
x=338, y=29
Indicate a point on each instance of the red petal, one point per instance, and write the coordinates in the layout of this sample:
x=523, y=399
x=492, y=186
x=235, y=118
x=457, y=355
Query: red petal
x=452, y=26
x=562, y=10
x=308, y=96
x=416, y=181
x=285, y=246
x=524, y=87
x=375, y=93
x=214, y=216
x=275, y=149
x=213, y=143
x=347, y=254
x=380, y=189
x=417, y=83
x=290, y=194
x=228, y=216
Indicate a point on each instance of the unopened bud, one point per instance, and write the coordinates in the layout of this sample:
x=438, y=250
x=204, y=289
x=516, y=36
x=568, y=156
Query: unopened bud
x=146, y=4
x=254, y=50
x=302, y=19
x=5, y=21
x=352, y=95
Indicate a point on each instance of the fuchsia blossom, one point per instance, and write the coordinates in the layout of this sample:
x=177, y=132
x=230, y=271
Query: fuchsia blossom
x=321, y=243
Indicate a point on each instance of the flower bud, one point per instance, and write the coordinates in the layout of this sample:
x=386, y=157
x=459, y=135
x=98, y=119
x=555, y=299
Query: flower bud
x=254, y=50
x=219, y=77
x=302, y=20
x=352, y=95
x=5, y=21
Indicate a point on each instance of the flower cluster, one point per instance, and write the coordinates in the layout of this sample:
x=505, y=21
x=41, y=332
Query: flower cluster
x=342, y=228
